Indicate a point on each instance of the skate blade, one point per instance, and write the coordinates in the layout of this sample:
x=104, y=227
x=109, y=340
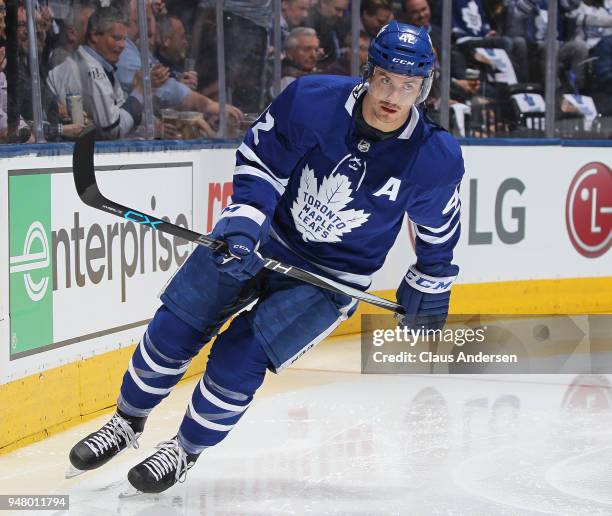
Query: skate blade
x=130, y=492
x=74, y=472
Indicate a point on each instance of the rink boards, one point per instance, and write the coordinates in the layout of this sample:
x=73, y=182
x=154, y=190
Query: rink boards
x=77, y=285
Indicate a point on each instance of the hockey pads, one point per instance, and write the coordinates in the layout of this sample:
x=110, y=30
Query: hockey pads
x=426, y=297
x=243, y=228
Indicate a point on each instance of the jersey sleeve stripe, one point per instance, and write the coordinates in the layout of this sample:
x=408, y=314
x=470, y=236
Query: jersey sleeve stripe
x=244, y=210
x=435, y=239
x=249, y=154
x=253, y=171
x=444, y=227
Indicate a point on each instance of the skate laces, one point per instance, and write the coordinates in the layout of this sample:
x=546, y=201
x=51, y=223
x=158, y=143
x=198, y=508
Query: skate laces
x=109, y=435
x=169, y=457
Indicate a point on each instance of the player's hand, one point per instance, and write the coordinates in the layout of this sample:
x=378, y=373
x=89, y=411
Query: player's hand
x=426, y=297
x=242, y=228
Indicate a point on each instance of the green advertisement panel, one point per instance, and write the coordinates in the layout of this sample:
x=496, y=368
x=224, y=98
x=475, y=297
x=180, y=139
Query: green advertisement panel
x=31, y=284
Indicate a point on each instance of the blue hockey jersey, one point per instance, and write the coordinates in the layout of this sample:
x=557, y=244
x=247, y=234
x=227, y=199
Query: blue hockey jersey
x=469, y=20
x=336, y=200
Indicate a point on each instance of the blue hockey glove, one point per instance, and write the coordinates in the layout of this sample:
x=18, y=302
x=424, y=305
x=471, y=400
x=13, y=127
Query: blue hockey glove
x=242, y=228
x=426, y=297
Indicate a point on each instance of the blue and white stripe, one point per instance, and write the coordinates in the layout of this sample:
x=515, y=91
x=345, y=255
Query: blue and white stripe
x=212, y=412
x=150, y=377
x=251, y=164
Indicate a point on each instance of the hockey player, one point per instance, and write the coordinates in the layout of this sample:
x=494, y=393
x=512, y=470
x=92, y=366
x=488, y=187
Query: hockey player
x=323, y=180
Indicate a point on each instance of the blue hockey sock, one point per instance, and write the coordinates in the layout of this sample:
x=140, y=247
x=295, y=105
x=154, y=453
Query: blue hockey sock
x=235, y=370
x=158, y=363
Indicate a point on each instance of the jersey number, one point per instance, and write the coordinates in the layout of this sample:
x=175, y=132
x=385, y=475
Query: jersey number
x=266, y=125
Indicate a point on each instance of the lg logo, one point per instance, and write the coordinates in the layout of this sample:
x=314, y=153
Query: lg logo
x=507, y=235
x=508, y=217
x=588, y=210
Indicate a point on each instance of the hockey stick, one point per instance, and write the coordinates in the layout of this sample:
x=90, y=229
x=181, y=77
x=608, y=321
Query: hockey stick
x=85, y=181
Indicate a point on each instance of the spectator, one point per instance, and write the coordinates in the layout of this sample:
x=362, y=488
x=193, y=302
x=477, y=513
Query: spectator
x=375, y=14
x=3, y=84
x=114, y=113
x=172, y=50
x=328, y=20
x=171, y=93
x=2, y=22
x=246, y=24
x=72, y=34
x=593, y=20
x=301, y=50
x=464, y=90
x=471, y=29
x=186, y=10
x=594, y=28
x=343, y=65
x=159, y=9
x=23, y=98
x=293, y=13
x=418, y=12
x=3, y=97
x=64, y=78
x=530, y=18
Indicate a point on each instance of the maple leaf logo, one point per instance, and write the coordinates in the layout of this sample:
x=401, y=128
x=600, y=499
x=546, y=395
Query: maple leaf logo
x=471, y=17
x=319, y=213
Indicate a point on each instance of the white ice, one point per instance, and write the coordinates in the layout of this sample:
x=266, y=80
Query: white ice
x=321, y=438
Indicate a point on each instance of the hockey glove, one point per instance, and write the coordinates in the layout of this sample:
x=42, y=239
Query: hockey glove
x=242, y=228
x=425, y=297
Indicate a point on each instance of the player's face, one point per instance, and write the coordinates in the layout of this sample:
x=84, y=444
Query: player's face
x=110, y=43
x=389, y=99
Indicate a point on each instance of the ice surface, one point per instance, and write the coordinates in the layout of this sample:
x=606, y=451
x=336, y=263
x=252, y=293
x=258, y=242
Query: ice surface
x=323, y=439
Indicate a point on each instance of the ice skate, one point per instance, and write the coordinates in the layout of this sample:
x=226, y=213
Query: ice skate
x=167, y=466
x=101, y=446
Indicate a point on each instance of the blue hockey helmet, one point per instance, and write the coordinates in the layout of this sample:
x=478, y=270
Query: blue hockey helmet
x=403, y=49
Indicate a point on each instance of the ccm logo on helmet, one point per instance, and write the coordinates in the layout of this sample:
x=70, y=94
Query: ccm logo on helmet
x=402, y=61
